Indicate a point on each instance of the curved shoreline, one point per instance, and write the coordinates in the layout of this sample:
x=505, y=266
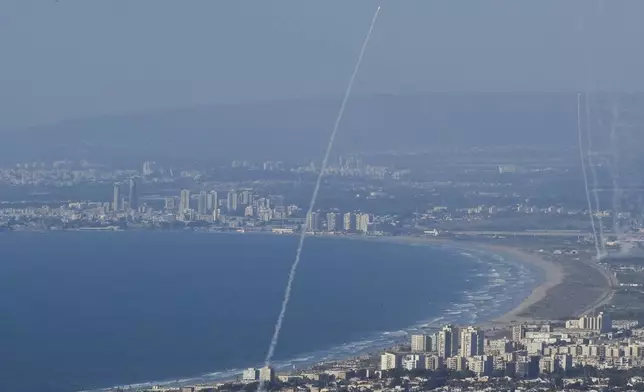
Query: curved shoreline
x=557, y=276
x=553, y=276
x=553, y=273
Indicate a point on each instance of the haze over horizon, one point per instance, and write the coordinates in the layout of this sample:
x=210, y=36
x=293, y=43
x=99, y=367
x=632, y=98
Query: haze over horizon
x=70, y=58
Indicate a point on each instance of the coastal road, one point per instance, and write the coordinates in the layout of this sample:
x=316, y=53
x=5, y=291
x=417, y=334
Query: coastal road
x=527, y=233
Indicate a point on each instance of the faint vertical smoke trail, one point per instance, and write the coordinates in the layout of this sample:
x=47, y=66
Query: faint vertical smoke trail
x=588, y=65
x=583, y=169
x=614, y=172
x=291, y=275
x=589, y=146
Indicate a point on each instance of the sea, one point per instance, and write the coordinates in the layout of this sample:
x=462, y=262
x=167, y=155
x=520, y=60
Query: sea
x=94, y=310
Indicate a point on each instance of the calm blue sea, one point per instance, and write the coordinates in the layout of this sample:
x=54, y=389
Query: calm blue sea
x=83, y=310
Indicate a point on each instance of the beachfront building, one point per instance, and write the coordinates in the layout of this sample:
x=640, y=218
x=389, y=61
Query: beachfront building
x=266, y=374
x=250, y=374
x=389, y=361
x=447, y=341
x=362, y=222
x=601, y=322
x=444, y=343
x=349, y=222
x=421, y=343
x=472, y=342
x=331, y=221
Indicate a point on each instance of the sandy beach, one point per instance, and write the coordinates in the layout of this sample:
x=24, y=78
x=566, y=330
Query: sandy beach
x=554, y=276
x=568, y=289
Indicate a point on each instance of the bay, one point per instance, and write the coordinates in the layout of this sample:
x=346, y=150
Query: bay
x=82, y=310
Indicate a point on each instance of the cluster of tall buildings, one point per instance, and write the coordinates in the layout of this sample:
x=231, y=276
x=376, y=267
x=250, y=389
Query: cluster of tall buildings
x=119, y=203
x=451, y=341
x=333, y=221
x=236, y=203
x=265, y=374
x=532, y=350
x=207, y=203
x=601, y=322
x=451, y=347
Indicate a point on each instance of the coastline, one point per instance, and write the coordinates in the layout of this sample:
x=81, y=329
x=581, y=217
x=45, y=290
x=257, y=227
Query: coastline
x=553, y=274
x=552, y=277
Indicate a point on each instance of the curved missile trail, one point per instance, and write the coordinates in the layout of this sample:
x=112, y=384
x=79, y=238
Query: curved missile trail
x=291, y=275
x=583, y=169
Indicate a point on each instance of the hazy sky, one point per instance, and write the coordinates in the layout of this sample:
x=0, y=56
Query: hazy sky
x=72, y=58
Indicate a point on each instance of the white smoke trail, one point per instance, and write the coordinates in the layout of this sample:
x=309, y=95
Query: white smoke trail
x=291, y=275
x=588, y=65
x=589, y=146
x=583, y=169
x=614, y=166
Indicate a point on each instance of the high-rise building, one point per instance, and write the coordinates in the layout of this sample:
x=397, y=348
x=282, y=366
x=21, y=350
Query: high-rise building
x=231, y=201
x=116, y=202
x=518, y=332
x=250, y=374
x=349, y=222
x=246, y=198
x=444, y=343
x=184, y=201
x=456, y=338
x=362, y=222
x=389, y=361
x=133, y=199
x=202, y=202
x=482, y=365
x=312, y=221
x=213, y=202
x=447, y=341
x=601, y=323
x=331, y=221
x=421, y=343
x=472, y=342
x=266, y=374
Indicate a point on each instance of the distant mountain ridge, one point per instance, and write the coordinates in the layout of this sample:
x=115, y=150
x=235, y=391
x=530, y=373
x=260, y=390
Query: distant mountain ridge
x=299, y=129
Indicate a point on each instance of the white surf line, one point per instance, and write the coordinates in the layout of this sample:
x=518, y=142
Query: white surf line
x=291, y=276
x=585, y=174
